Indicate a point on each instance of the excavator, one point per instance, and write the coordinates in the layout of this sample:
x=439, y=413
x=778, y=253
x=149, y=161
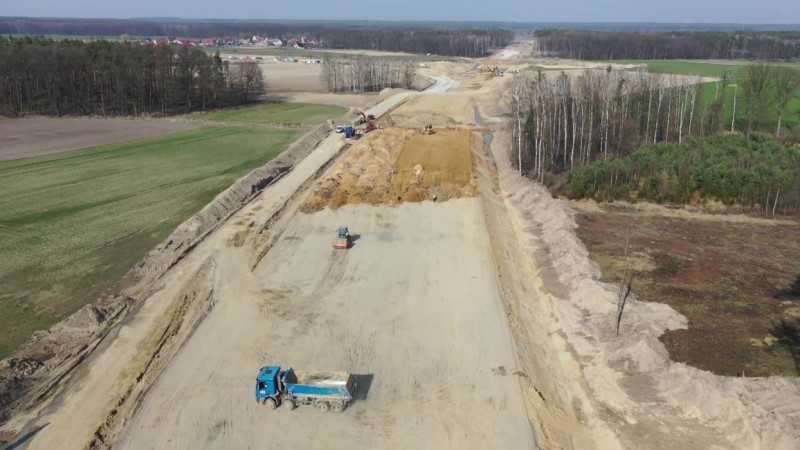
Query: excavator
x=368, y=120
x=427, y=129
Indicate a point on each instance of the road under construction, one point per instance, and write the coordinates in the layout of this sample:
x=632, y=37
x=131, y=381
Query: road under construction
x=464, y=306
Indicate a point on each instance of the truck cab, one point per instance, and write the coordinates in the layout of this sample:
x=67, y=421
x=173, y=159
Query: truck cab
x=267, y=383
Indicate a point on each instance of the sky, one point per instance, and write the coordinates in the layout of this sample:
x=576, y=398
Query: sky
x=662, y=11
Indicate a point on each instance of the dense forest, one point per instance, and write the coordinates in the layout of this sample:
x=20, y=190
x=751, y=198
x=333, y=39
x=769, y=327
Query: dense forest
x=41, y=76
x=467, y=43
x=561, y=124
x=606, y=45
x=756, y=172
x=366, y=74
x=441, y=41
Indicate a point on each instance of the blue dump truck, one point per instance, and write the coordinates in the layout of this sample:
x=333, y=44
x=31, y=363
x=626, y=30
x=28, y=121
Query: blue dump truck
x=290, y=388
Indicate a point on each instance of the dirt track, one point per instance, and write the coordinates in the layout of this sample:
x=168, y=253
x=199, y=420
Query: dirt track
x=35, y=136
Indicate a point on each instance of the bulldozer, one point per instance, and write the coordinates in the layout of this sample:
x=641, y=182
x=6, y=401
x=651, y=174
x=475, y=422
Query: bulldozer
x=342, y=241
x=427, y=129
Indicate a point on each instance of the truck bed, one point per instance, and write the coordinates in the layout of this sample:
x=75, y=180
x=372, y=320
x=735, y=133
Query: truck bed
x=321, y=384
x=318, y=378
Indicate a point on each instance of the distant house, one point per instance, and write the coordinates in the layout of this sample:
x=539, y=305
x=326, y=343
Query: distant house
x=183, y=41
x=277, y=43
x=162, y=40
x=209, y=42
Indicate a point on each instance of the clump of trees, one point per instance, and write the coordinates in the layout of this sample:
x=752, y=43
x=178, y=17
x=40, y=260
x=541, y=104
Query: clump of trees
x=366, y=74
x=450, y=42
x=42, y=76
x=562, y=122
x=610, y=45
x=752, y=172
x=592, y=125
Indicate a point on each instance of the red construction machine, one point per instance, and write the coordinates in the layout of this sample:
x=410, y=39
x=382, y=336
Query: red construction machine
x=368, y=120
x=342, y=241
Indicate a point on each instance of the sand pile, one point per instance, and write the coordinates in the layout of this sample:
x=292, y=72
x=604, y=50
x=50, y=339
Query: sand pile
x=650, y=401
x=392, y=166
x=447, y=109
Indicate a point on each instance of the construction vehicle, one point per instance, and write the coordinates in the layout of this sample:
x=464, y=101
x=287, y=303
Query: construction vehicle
x=349, y=131
x=427, y=129
x=368, y=120
x=342, y=240
x=290, y=388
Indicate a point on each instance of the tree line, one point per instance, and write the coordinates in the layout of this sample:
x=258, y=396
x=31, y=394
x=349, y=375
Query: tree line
x=366, y=74
x=564, y=123
x=42, y=76
x=450, y=42
x=617, y=45
x=474, y=42
x=754, y=172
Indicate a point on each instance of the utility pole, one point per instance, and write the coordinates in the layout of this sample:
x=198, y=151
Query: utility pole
x=733, y=119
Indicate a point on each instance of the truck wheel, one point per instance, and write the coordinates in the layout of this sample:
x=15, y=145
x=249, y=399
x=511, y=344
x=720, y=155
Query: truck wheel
x=323, y=406
x=289, y=405
x=337, y=407
x=271, y=404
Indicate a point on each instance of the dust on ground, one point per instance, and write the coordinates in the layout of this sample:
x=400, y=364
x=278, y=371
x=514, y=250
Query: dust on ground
x=391, y=166
x=35, y=136
x=737, y=280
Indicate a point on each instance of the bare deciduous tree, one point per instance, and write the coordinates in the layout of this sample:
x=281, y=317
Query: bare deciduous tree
x=787, y=81
x=758, y=78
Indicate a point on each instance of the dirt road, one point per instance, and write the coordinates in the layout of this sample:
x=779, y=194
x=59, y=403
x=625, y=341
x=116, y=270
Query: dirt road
x=413, y=309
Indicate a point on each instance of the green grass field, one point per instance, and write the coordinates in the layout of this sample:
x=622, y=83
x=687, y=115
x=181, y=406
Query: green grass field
x=791, y=115
x=72, y=224
x=275, y=113
x=680, y=67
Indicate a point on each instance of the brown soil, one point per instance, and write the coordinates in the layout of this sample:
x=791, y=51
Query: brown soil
x=392, y=166
x=281, y=77
x=35, y=136
x=738, y=283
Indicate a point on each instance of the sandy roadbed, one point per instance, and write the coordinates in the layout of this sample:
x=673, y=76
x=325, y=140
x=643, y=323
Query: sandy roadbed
x=413, y=308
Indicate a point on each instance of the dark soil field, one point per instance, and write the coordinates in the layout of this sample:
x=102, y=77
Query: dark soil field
x=36, y=136
x=736, y=278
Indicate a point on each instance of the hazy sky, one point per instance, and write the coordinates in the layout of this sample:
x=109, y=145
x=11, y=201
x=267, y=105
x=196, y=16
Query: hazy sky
x=675, y=11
